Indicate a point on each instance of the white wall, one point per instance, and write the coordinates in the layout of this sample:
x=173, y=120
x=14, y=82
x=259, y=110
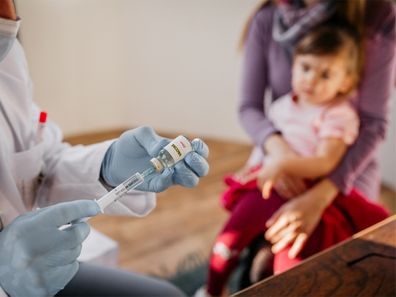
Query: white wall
x=103, y=64
x=100, y=64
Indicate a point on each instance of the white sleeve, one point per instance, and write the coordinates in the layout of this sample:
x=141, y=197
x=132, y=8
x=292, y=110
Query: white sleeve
x=72, y=172
x=2, y=293
x=9, y=27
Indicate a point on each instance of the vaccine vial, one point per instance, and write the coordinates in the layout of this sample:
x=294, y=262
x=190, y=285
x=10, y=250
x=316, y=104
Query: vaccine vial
x=172, y=153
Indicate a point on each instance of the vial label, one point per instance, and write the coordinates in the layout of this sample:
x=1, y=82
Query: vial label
x=178, y=148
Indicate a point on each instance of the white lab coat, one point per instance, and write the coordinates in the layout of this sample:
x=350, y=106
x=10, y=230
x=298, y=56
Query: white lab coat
x=70, y=172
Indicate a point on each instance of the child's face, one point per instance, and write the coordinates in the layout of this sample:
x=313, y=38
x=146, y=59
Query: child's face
x=320, y=79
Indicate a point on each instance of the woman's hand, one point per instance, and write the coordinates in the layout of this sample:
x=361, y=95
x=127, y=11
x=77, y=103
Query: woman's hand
x=295, y=221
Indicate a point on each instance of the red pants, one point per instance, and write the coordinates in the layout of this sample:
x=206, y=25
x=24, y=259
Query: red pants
x=249, y=213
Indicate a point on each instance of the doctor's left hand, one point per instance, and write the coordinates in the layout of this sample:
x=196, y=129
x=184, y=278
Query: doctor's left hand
x=36, y=257
x=132, y=152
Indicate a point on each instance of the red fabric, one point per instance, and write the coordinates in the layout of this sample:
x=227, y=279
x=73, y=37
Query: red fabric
x=343, y=218
x=235, y=191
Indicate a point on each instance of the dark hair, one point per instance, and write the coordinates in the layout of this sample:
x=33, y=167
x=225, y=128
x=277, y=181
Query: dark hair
x=333, y=40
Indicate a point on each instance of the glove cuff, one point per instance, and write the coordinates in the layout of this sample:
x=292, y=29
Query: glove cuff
x=104, y=177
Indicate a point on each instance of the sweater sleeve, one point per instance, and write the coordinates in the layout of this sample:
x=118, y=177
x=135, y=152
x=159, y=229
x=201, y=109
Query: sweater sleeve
x=373, y=103
x=255, y=79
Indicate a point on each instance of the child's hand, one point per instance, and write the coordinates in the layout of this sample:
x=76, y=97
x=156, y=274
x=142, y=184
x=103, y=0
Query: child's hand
x=245, y=174
x=269, y=175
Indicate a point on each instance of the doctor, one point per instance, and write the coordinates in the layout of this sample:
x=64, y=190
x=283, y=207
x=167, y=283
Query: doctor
x=38, y=170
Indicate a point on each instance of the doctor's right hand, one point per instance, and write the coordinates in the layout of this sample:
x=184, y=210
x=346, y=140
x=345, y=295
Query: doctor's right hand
x=132, y=152
x=38, y=259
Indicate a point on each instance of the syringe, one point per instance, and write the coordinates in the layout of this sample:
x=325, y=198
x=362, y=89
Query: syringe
x=129, y=184
x=172, y=153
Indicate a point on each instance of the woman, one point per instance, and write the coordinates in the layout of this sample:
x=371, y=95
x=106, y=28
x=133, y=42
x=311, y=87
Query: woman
x=268, y=43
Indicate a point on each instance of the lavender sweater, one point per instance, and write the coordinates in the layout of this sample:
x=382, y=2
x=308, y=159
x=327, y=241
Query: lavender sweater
x=267, y=66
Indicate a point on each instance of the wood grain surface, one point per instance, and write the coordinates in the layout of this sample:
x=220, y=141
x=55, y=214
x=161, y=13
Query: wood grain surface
x=362, y=266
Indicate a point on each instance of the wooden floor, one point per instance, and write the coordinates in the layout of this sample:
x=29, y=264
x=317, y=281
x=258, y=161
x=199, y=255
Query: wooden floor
x=185, y=221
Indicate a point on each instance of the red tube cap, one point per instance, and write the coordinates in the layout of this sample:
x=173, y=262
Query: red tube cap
x=43, y=117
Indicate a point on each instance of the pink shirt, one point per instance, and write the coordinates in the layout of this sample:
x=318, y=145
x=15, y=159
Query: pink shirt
x=304, y=126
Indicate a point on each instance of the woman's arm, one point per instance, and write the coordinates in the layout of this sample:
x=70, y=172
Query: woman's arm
x=373, y=101
x=255, y=79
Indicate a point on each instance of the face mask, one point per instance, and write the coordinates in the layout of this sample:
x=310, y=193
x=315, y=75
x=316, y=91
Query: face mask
x=8, y=32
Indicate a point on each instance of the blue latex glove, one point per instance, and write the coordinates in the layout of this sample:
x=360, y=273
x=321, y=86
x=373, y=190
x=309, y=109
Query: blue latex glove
x=38, y=259
x=132, y=152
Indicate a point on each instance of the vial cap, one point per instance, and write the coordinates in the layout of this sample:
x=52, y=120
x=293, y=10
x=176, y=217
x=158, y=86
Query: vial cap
x=157, y=164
